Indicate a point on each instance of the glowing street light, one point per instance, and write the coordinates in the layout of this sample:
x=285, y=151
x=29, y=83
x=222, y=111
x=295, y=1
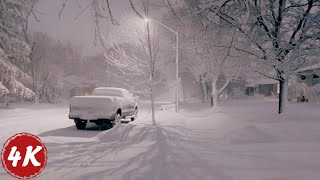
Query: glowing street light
x=147, y=20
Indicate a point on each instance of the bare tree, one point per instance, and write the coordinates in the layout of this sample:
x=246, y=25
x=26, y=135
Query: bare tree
x=209, y=55
x=213, y=59
x=140, y=59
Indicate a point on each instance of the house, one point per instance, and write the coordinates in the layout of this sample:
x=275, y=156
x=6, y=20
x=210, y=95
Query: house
x=310, y=75
x=304, y=83
x=307, y=83
x=263, y=86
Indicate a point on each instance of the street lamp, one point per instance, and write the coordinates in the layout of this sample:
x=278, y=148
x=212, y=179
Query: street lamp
x=177, y=58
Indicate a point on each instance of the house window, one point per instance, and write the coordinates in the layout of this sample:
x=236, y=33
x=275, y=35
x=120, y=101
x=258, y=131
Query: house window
x=303, y=77
x=315, y=76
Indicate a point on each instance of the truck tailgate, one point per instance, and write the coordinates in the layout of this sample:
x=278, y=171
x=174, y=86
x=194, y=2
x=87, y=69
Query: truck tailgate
x=92, y=107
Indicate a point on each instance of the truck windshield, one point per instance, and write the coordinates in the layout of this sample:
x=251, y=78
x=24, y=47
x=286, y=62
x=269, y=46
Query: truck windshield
x=107, y=92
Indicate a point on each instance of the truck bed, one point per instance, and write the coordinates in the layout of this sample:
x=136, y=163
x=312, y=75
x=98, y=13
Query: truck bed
x=92, y=107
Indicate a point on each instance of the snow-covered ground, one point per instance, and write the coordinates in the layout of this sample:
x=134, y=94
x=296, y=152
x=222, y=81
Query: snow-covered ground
x=242, y=140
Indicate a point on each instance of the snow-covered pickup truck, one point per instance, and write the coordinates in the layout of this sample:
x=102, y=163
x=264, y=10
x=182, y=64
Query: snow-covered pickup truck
x=106, y=106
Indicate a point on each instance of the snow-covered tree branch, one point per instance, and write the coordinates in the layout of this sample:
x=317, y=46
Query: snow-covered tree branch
x=14, y=50
x=280, y=32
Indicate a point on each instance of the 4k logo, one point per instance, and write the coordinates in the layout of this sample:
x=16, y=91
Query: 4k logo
x=24, y=156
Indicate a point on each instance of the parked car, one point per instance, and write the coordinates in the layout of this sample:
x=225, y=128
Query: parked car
x=106, y=106
x=302, y=99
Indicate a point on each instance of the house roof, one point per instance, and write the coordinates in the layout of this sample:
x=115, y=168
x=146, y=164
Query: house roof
x=111, y=88
x=260, y=81
x=308, y=68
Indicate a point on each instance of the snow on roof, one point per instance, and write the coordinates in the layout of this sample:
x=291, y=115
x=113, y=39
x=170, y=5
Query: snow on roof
x=308, y=68
x=260, y=81
x=267, y=81
x=113, y=88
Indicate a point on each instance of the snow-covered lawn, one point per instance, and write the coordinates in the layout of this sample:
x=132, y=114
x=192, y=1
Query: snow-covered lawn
x=242, y=140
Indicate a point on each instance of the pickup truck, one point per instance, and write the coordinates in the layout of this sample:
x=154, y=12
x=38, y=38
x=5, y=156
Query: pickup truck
x=106, y=106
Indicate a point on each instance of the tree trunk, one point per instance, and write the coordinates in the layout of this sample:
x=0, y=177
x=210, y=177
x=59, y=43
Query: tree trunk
x=201, y=86
x=152, y=105
x=204, y=91
x=6, y=100
x=36, y=91
x=215, y=93
x=208, y=91
x=34, y=81
x=36, y=97
x=283, y=95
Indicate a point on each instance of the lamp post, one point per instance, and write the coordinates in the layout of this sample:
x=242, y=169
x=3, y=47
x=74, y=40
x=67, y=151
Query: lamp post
x=177, y=58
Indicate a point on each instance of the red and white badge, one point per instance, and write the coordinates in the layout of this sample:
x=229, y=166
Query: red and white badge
x=24, y=156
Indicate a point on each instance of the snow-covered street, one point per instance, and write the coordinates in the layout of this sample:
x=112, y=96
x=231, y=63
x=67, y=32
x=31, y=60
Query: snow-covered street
x=240, y=140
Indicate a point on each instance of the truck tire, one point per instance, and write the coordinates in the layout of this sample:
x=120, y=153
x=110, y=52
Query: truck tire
x=81, y=125
x=135, y=115
x=117, y=119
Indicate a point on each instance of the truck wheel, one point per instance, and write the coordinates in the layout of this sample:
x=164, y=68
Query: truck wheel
x=81, y=125
x=117, y=119
x=135, y=115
